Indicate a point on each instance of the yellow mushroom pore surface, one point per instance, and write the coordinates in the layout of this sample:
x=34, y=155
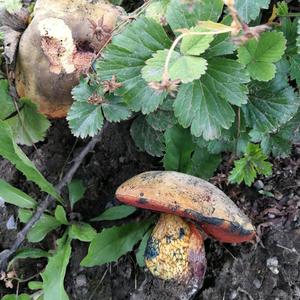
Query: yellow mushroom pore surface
x=175, y=251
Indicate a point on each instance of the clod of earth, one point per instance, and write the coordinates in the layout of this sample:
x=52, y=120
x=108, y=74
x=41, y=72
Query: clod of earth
x=175, y=249
x=59, y=45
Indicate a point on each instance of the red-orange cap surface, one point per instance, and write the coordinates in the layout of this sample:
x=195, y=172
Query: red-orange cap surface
x=190, y=197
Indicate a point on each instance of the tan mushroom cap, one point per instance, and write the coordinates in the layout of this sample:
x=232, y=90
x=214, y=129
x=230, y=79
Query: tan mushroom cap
x=189, y=197
x=57, y=47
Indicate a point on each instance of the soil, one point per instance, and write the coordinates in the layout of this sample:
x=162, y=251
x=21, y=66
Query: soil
x=268, y=269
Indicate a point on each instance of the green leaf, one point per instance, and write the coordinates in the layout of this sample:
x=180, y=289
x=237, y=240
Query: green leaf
x=24, y=215
x=253, y=163
x=60, y=215
x=114, y=110
x=182, y=154
x=295, y=68
x=157, y=10
x=85, y=119
x=28, y=253
x=204, y=104
x=289, y=29
x=6, y=102
x=29, y=125
x=126, y=56
x=142, y=248
x=204, y=164
x=179, y=148
x=83, y=232
x=270, y=104
x=249, y=9
x=76, y=191
x=185, y=15
x=227, y=78
x=280, y=142
x=185, y=68
x=35, y=285
x=197, y=106
x=195, y=44
x=228, y=141
x=54, y=274
x=41, y=228
x=11, y=5
x=298, y=38
x=146, y=138
x=154, y=68
x=163, y=118
x=112, y=243
x=12, y=152
x=222, y=43
x=260, y=55
x=83, y=91
x=188, y=68
x=15, y=196
x=279, y=146
x=282, y=8
x=115, y=213
x=15, y=297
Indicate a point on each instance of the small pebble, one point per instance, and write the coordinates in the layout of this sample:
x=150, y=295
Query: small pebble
x=291, y=195
x=233, y=295
x=272, y=264
x=122, y=159
x=278, y=195
x=11, y=223
x=2, y=202
x=257, y=283
x=259, y=185
x=268, y=188
x=81, y=280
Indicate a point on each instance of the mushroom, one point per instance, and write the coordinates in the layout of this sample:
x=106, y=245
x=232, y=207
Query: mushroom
x=58, y=46
x=175, y=249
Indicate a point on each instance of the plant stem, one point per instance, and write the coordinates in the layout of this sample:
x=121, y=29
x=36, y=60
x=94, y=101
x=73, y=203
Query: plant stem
x=290, y=15
x=5, y=254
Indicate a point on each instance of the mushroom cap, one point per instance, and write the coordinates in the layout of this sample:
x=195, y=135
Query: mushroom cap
x=175, y=251
x=58, y=46
x=190, y=197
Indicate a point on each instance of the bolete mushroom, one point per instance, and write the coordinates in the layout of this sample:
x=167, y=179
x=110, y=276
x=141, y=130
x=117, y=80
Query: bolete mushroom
x=58, y=45
x=175, y=249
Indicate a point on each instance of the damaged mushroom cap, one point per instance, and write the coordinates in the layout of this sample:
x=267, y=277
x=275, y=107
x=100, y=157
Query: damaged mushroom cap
x=175, y=251
x=59, y=45
x=189, y=197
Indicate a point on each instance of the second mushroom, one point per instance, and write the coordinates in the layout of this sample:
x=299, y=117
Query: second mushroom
x=175, y=249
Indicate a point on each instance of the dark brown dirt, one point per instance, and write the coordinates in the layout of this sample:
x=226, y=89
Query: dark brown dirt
x=268, y=270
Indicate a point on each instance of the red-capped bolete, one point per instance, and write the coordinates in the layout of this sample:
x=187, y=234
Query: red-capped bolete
x=175, y=249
